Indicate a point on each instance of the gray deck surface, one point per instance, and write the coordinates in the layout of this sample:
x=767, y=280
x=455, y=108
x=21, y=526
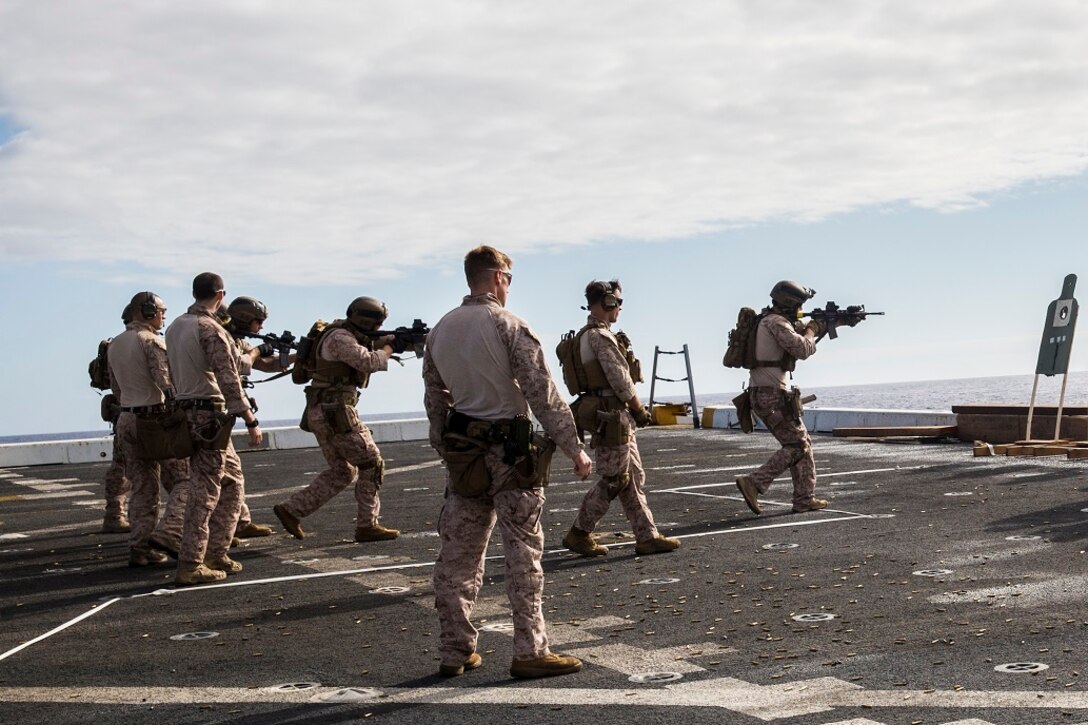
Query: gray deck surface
x=930, y=570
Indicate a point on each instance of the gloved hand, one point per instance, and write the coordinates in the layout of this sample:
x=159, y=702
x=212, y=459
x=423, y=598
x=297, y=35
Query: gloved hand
x=265, y=350
x=817, y=328
x=642, y=417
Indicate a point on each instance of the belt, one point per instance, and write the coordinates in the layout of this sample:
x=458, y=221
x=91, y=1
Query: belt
x=202, y=404
x=160, y=408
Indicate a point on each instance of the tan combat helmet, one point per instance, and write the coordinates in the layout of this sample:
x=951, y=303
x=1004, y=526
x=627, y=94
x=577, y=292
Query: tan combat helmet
x=244, y=310
x=789, y=295
x=367, y=313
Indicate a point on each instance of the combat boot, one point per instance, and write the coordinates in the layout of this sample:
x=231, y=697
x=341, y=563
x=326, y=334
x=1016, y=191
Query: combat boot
x=250, y=530
x=656, y=545
x=377, y=532
x=146, y=557
x=290, y=521
x=580, y=542
x=119, y=525
x=164, y=544
x=813, y=504
x=474, y=660
x=750, y=492
x=547, y=666
x=199, y=574
x=226, y=564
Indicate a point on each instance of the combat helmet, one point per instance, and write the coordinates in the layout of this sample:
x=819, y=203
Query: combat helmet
x=788, y=294
x=244, y=310
x=367, y=313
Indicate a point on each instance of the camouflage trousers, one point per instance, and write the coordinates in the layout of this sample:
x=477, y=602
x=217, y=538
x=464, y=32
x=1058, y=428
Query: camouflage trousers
x=117, y=486
x=615, y=464
x=143, y=477
x=349, y=455
x=796, y=452
x=464, y=527
x=175, y=480
x=216, y=488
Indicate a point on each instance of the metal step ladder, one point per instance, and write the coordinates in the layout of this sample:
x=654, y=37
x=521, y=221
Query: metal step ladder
x=691, y=385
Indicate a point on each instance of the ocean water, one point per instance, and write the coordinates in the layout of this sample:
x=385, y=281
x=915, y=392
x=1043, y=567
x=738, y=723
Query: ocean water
x=937, y=395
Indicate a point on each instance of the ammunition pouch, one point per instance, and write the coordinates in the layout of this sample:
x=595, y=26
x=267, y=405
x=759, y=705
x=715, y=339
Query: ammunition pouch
x=215, y=434
x=602, y=416
x=467, y=441
x=743, y=404
x=110, y=408
x=614, y=485
x=337, y=408
x=794, y=407
x=466, y=461
x=163, y=435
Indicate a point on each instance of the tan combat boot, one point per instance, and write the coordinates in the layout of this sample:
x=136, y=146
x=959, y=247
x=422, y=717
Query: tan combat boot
x=657, y=545
x=149, y=557
x=164, y=544
x=290, y=521
x=199, y=574
x=226, y=565
x=549, y=665
x=750, y=493
x=377, y=532
x=474, y=660
x=813, y=504
x=119, y=525
x=580, y=542
x=250, y=530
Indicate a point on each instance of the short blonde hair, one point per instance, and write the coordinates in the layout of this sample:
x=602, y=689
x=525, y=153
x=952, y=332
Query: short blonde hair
x=482, y=260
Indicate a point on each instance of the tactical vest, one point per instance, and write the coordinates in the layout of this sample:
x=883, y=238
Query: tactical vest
x=591, y=377
x=333, y=373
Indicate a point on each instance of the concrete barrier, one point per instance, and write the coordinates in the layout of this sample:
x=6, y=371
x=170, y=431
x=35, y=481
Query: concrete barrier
x=825, y=420
x=95, y=450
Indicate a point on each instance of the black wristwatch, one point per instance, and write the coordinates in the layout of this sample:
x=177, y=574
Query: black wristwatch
x=254, y=424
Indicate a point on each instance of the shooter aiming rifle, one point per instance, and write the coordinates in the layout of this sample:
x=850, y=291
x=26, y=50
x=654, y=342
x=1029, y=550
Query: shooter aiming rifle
x=282, y=344
x=405, y=338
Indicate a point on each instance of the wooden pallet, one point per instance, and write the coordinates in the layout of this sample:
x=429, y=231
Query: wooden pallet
x=1067, y=448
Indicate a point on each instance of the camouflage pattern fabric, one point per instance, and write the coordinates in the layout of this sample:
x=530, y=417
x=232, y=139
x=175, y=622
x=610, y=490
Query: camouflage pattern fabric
x=143, y=476
x=215, y=500
x=796, y=451
x=347, y=454
x=465, y=524
x=613, y=462
x=464, y=527
x=174, y=474
x=117, y=486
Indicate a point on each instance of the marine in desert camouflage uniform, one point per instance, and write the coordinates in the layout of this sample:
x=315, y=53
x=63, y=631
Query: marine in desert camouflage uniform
x=485, y=364
x=205, y=368
x=140, y=378
x=609, y=403
x=342, y=361
x=781, y=339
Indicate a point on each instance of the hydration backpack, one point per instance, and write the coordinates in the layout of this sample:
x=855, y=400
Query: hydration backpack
x=741, y=350
x=99, y=368
x=306, y=354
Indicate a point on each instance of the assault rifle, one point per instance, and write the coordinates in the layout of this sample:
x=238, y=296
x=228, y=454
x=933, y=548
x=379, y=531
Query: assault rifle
x=405, y=338
x=282, y=344
x=832, y=315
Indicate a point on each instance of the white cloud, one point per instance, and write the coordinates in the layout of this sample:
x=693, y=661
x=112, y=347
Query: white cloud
x=276, y=135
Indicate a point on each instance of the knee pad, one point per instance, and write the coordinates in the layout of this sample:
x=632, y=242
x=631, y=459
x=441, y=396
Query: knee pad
x=614, y=485
x=376, y=474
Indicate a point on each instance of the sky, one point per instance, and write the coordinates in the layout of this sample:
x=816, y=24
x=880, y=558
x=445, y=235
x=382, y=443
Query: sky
x=926, y=159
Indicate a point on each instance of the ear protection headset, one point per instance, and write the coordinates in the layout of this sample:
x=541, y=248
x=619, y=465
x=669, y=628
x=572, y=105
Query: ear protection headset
x=609, y=301
x=148, y=308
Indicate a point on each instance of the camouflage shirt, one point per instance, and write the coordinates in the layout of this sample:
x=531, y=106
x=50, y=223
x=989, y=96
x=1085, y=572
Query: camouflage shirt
x=139, y=370
x=204, y=360
x=341, y=346
x=479, y=348
x=777, y=334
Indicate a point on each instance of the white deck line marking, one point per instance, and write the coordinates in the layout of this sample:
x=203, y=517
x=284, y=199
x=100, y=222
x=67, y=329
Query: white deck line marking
x=37, y=481
x=61, y=628
x=416, y=467
x=54, y=494
x=765, y=702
